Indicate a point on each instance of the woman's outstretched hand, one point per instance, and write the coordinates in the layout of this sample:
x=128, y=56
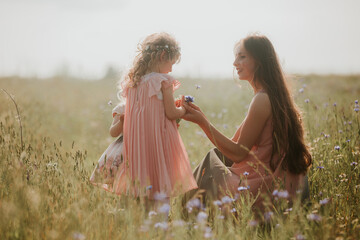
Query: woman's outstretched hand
x=193, y=114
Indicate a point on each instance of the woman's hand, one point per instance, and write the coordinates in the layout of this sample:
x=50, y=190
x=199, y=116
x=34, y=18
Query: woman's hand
x=194, y=114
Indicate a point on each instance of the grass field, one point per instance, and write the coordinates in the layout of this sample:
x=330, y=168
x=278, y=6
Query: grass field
x=45, y=192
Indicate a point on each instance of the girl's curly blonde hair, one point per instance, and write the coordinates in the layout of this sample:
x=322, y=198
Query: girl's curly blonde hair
x=149, y=56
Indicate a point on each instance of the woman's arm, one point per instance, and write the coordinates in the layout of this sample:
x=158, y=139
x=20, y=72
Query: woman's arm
x=171, y=111
x=259, y=112
x=116, y=127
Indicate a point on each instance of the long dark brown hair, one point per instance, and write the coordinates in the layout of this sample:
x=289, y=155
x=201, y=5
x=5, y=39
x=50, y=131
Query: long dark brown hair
x=288, y=132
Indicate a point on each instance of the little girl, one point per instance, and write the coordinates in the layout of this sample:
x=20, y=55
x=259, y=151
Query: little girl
x=154, y=154
x=111, y=159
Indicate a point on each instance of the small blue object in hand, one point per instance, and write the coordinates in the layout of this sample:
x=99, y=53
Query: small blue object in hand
x=189, y=98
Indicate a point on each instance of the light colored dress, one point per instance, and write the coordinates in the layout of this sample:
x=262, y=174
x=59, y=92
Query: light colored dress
x=155, y=157
x=110, y=161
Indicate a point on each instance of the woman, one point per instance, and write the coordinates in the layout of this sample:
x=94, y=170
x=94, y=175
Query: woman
x=269, y=144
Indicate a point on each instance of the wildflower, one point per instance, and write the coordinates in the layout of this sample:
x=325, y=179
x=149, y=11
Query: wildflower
x=217, y=203
x=160, y=196
x=246, y=174
x=201, y=217
x=340, y=131
x=197, y=86
x=207, y=233
x=326, y=135
x=314, y=217
x=334, y=104
x=152, y=213
x=307, y=100
x=301, y=90
x=356, y=109
x=353, y=163
x=348, y=140
x=110, y=102
x=149, y=187
x=162, y=225
x=356, y=102
x=241, y=188
x=324, y=201
x=268, y=216
x=337, y=148
x=349, y=122
x=320, y=167
x=275, y=192
x=253, y=223
x=194, y=203
x=165, y=208
x=300, y=237
x=226, y=199
x=288, y=209
x=233, y=210
x=221, y=217
x=78, y=236
x=225, y=126
x=283, y=194
x=189, y=98
x=178, y=223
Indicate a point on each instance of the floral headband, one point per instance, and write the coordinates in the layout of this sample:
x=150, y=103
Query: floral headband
x=160, y=47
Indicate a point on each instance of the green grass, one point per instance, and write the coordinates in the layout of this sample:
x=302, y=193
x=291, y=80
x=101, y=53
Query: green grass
x=45, y=192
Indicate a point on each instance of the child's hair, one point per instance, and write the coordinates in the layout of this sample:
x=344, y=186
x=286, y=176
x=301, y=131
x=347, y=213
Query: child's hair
x=150, y=51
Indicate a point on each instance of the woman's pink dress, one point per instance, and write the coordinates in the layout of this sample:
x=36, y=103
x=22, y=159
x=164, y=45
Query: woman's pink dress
x=155, y=157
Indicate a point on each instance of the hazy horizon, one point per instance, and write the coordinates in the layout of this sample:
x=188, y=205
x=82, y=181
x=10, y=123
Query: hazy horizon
x=83, y=38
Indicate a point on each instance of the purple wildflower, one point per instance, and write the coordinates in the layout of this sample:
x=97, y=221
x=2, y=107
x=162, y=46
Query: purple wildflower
x=268, y=216
x=349, y=122
x=283, y=194
x=241, y=188
x=334, y=104
x=217, y=203
x=246, y=174
x=348, y=140
x=275, y=192
x=300, y=237
x=233, y=210
x=314, y=217
x=165, y=208
x=353, y=163
x=189, y=98
x=301, y=90
x=226, y=199
x=320, y=167
x=201, y=217
x=152, y=213
x=324, y=201
x=356, y=109
x=337, y=148
x=194, y=203
x=253, y=223
x=356, y=101
x=110, y=102
x=162, y=225
x=197, y=86
x=149, y=187
x=307, y=100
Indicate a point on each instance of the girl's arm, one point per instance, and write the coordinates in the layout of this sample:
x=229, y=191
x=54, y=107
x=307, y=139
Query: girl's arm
x=171, y=111
x=116, y=127
x=259, y=112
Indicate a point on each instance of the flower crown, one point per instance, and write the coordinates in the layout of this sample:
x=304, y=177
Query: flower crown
x=161, y=47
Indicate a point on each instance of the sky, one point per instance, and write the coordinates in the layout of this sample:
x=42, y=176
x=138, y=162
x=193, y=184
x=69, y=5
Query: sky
x=84, y=37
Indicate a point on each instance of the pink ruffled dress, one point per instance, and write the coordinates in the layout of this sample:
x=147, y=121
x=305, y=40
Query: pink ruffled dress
x=110, y=161
x=154, y=154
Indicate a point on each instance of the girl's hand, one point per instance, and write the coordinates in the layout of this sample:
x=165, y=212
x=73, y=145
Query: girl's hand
x=194, y=114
